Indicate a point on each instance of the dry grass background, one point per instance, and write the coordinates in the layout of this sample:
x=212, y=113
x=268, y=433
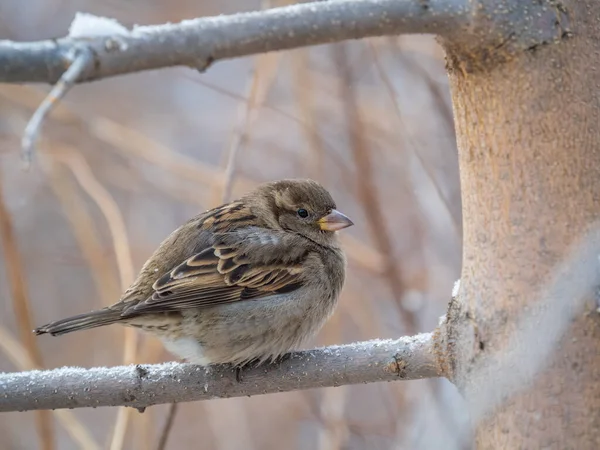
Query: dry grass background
x=122, y=162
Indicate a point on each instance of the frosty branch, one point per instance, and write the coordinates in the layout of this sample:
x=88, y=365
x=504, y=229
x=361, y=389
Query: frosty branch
x=140, y=386
x=197, y=43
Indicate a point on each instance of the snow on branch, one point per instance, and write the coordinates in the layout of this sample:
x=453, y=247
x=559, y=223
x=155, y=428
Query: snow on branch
x=407, y=358
x=197, y=43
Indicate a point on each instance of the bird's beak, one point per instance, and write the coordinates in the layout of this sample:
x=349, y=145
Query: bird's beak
x=334, y=221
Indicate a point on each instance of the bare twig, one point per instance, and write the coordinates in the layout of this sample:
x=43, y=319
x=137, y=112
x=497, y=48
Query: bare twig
x=82, y=58
x=407, y=358
x=197, y=43
x=18, y=289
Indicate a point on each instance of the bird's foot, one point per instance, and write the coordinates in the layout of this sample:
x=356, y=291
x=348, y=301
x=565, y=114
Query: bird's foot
x=282, y=358
x=246, y=366
x=255, y=363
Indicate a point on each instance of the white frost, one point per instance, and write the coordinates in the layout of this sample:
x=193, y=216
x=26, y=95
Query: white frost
x=86, y=25
x=456, y=288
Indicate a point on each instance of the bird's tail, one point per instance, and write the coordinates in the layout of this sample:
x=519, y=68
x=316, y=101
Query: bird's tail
x=84, y=321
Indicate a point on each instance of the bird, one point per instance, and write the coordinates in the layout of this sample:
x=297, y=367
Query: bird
x=245, y=282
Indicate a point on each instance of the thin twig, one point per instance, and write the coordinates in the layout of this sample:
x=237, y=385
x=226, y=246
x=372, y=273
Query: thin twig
x=81, y=58
x=30, y=97
x=162, y=442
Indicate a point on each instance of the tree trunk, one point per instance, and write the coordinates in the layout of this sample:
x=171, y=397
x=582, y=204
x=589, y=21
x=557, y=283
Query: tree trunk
x=528, y=132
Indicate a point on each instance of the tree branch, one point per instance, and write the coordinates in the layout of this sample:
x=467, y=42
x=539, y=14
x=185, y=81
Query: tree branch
x=197, y=43
x=407, y=358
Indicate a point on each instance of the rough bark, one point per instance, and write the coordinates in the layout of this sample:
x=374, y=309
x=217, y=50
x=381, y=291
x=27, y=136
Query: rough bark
x=528, y=137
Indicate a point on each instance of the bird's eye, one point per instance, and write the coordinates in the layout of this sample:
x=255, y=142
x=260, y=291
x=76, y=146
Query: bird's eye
x=303, y=213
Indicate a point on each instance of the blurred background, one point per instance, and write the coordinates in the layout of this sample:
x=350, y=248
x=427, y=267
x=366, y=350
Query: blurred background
x=122, y=162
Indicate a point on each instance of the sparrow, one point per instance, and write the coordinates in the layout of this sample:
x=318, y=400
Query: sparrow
x=245, y=282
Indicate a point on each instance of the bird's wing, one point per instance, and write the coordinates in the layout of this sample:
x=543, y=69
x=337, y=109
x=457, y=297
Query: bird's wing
x=242, y=265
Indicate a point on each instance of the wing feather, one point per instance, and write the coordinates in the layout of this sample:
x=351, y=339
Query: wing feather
x=234, y=268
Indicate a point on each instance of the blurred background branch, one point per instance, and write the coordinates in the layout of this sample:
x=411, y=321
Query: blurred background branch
x=18, y=287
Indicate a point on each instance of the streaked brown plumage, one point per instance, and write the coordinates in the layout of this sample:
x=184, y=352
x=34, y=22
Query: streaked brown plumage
x=252, y=279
